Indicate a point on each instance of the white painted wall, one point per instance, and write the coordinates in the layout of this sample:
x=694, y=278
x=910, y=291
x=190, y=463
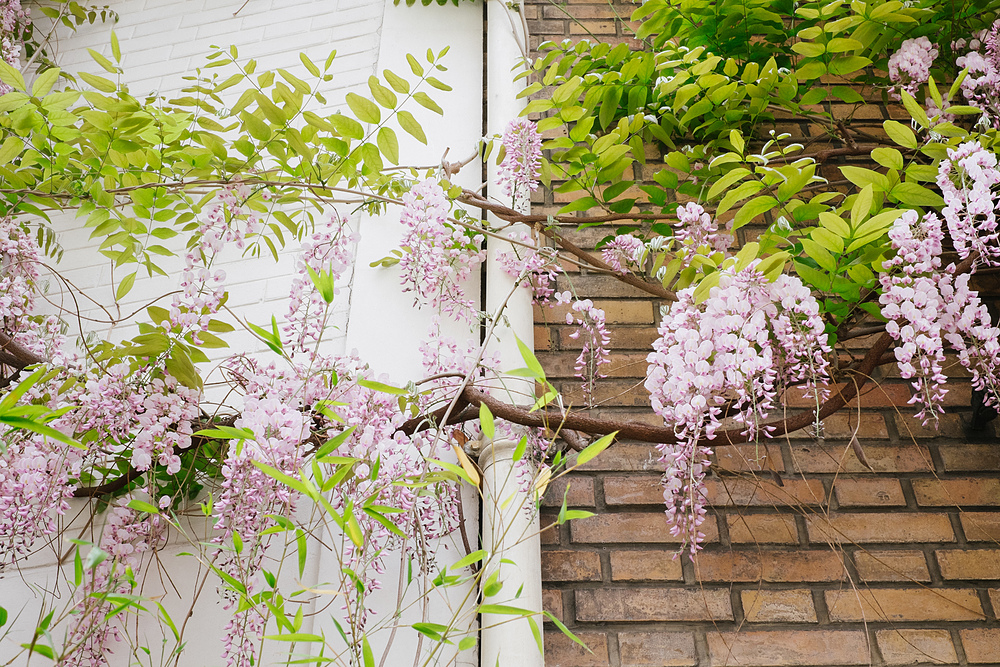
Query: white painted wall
x=164, y=40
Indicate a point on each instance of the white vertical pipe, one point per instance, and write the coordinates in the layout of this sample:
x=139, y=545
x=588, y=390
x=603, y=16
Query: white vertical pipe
x=510, y=533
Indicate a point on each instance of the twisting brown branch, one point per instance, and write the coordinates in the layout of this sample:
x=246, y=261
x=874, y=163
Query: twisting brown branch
x=510, y=215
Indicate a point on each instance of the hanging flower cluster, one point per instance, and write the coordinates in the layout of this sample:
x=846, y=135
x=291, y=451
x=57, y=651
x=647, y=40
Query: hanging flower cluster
x=967, y=179
x=19, y=262
x=329, y=249
x=927, y=307
x=439, y=256
x=593, y=333
x=743, y=345
x=911, y=66
x=535, y=267
x=12, y=17
x=202, y=286
x=519, y=170
x=698, y=232
x=623, y=252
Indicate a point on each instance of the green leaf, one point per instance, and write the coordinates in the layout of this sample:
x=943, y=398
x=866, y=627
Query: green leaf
x=530, y=360
x=398, y=83
x=901, y=134
x=295, y=637
x=474, y=557
x=364, y=109
x=486, y=421
x=752, y=209
x=125, y=286
x=97, y=82
x=43, y=84
x=3, y=617
x=384, y=388
x=141, y=506
x=411, y=126
x=388, y=144
x=912, y=194
x=424, y=100
x=862, y=206
x=888, y=157
x=595, y=448
x=915, y=110
x=108, y=66
x=334, y=443
x=12, y=77
x=12, y=147
x=255, y=127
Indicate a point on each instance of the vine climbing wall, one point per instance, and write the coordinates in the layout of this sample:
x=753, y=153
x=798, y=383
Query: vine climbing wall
x=811, y=557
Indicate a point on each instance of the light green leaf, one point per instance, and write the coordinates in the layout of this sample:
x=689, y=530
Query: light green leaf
x=595, y=448
x=752, y=209
x=486, y=421
x=388, y=144
x=411, y=126
x=901, y=134
x=365, y=110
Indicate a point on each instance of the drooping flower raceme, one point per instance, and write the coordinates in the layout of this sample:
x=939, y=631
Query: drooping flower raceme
x=623, y=252
x=698, y=232
x=12, y=15
x=593, y=333
x=911, y=65
x=731, y=347
x=439, y=256
x=536, y=268
x=519, y=170
x=968, y=178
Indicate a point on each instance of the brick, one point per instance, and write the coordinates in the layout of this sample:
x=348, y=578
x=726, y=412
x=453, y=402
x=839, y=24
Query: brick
x=580, y=492
x=626, y=456
x=869, y=493
x=843, y=425
x=561, y=651
x=762, y=529
x=657, y=649
x=981, y=644
x=768, y=566
x=631, y=528
x=904, y=604
x=783, y=606
x=552, y=602
x=908, y=647
x=749, y=457
x=877, y=527
x=571, y=566
x=817, y=458
x=994, y=594
x=632, y=311
x=891, y=566
x=970, y=564
x=549, y=533
x=750, y=492
x=652, y=604
x=633, y=490
x=645, y=566
x=950, y=426
x=970, y=457
x=981, y=526
x=607, y=392
x=960, y=492
x=563, y=365
x=788, y=648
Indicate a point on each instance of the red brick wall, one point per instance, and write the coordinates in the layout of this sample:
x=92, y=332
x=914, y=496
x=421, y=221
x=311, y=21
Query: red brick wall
x=836, y=565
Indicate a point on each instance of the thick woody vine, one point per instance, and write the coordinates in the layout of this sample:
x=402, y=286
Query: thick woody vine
x=246, y=163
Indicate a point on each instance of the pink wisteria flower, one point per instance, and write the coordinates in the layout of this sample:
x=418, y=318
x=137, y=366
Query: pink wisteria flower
x=911, y=66
x=521, y=164
x=535, y=267
x=624, y=251
x=744, y=344
x=593, y=333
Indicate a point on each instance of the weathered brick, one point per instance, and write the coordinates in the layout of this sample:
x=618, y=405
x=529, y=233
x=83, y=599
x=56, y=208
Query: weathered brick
x=970, y=457
x=561, y=651
x=769, y=566
x=549, y=533
x=750, y=457
x=869, y=493
x=981, y=645
x=633, y=490
x=950, y=425
x=571, y=566
x=781, y=606
x=657, y=649
x=957, y=492
x=751, y=492
x=762, y=529
x=816, y=458
x=580, y=492
x=632, y=528
x=875, y=528
x=908, y=647
x=972, y=564
x=626, y=456
x=891, y=566
x=652, y=604
x=788, y=648
x=563, y=365
x=645, y=566
x=981, y=526
x=552, y=602
x=994, y=594
x=904, y=604
x=844, y=425
x=632, y=311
